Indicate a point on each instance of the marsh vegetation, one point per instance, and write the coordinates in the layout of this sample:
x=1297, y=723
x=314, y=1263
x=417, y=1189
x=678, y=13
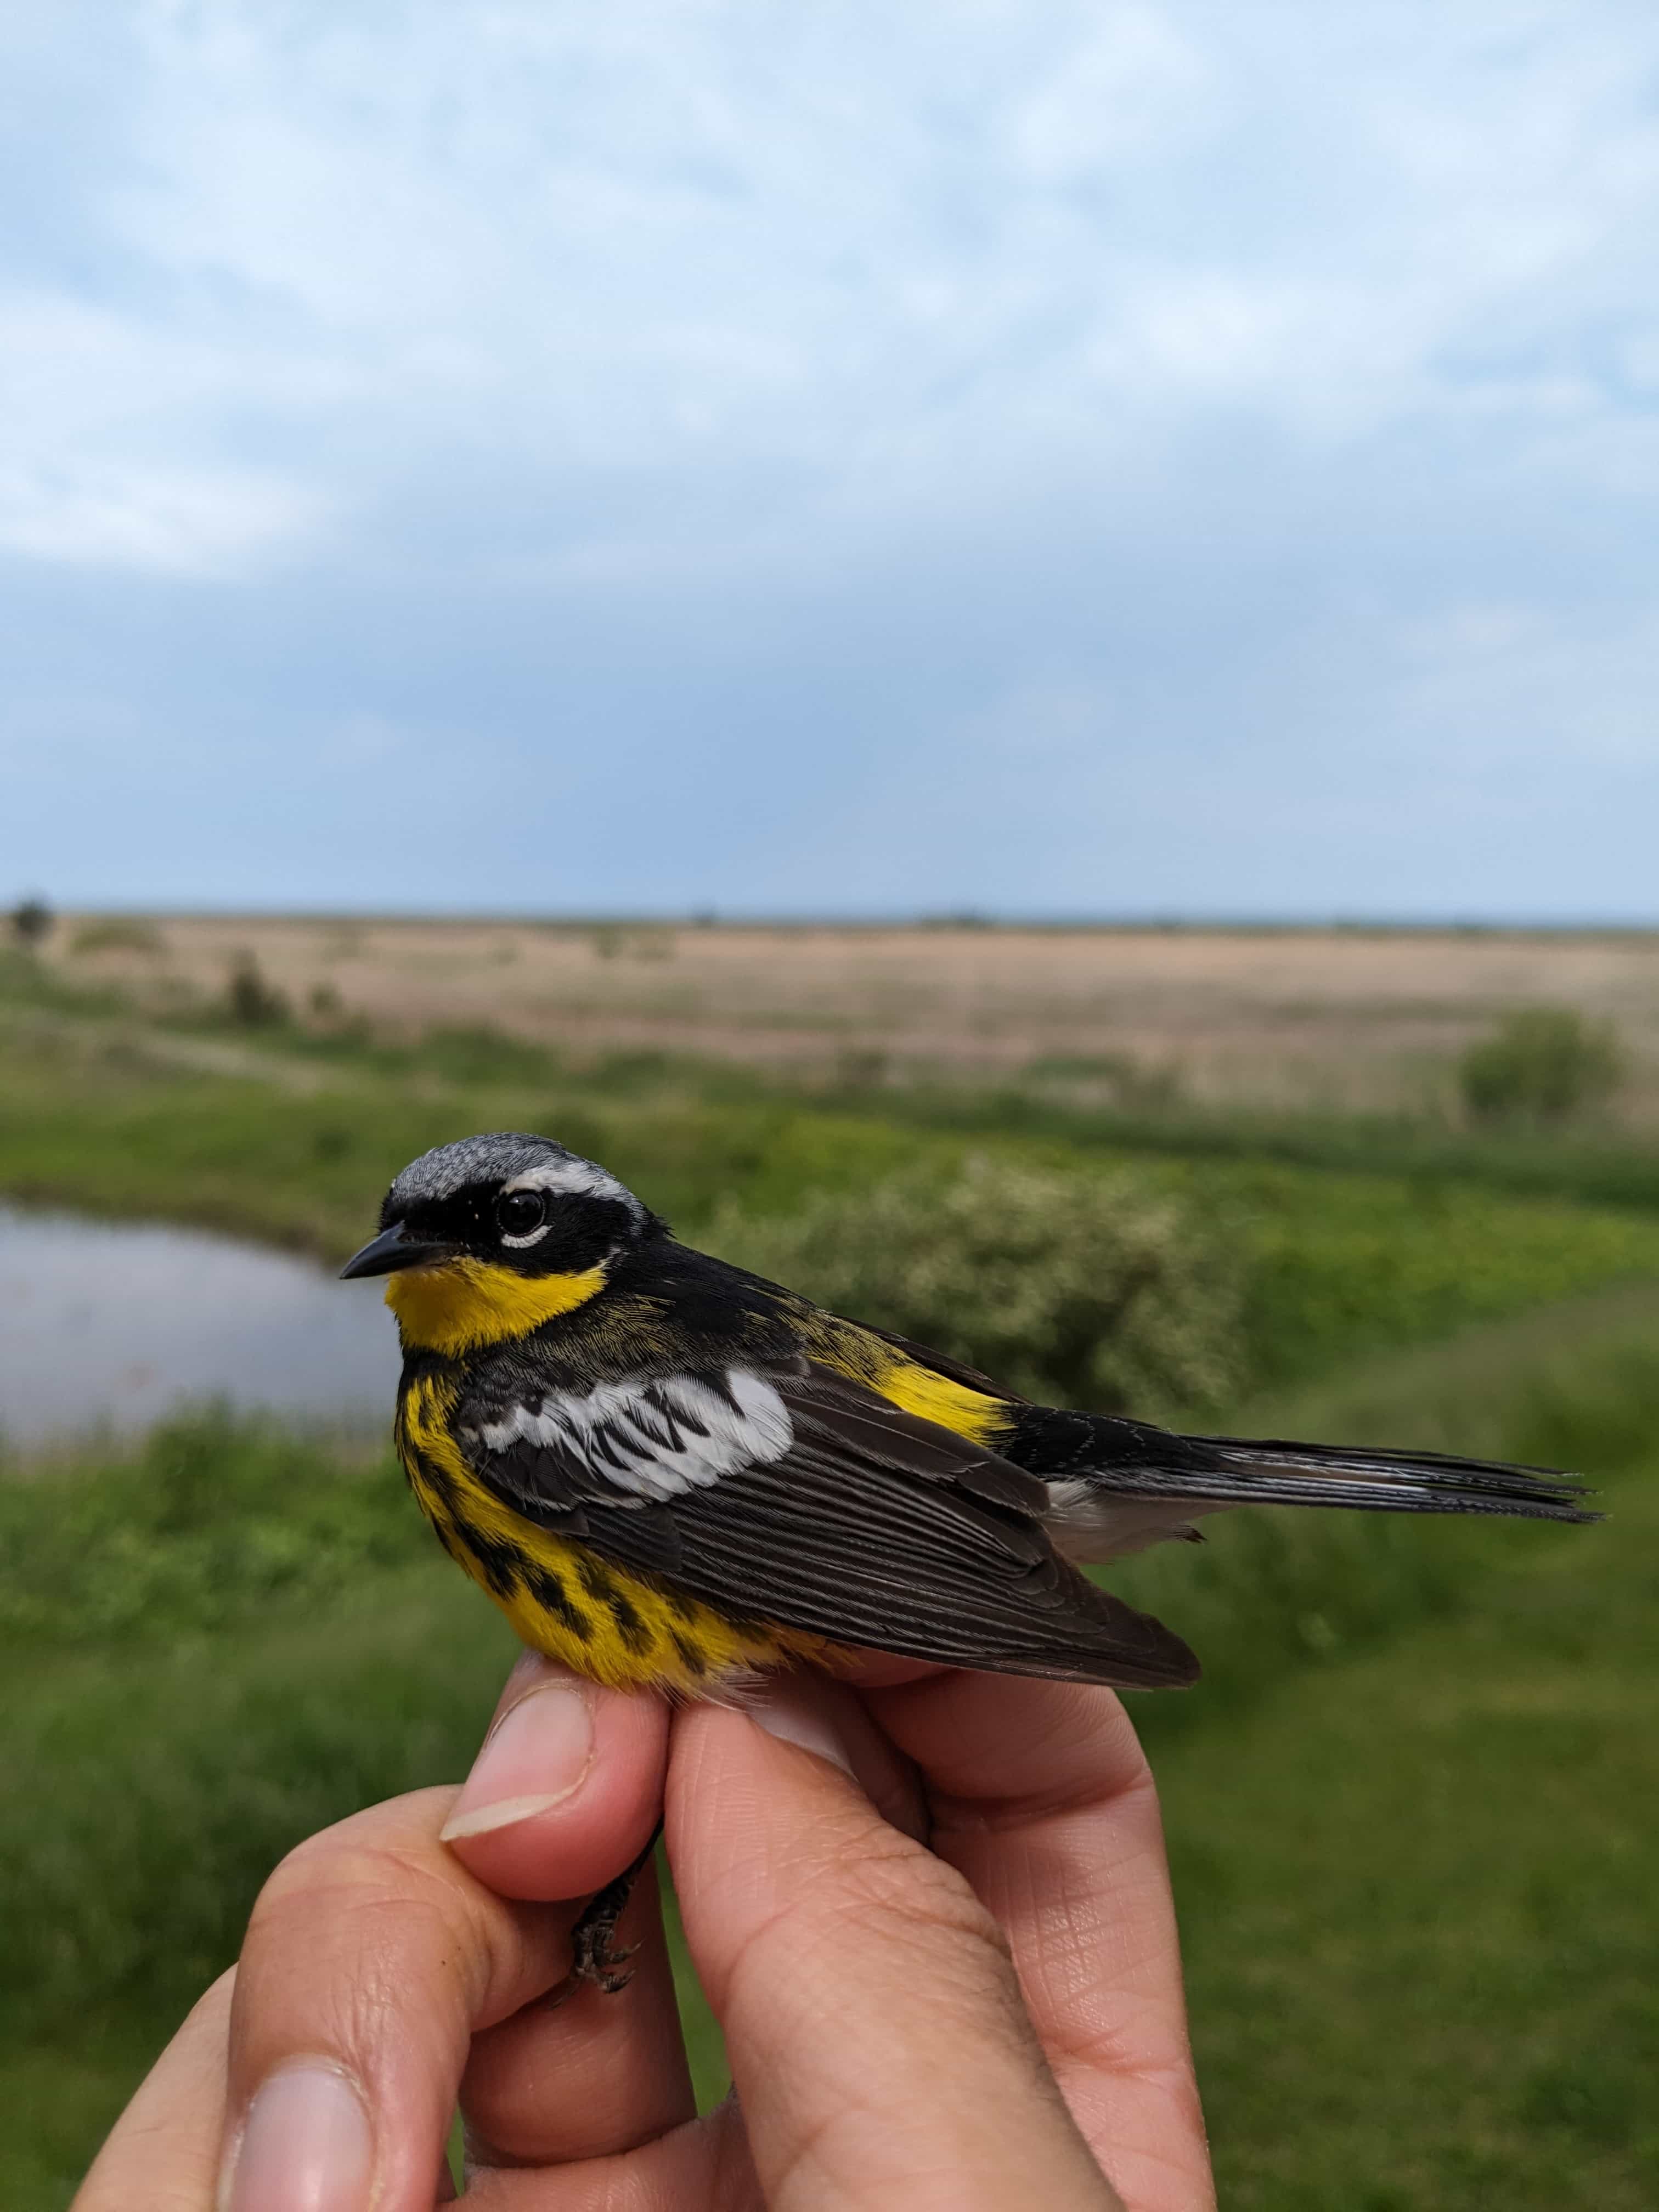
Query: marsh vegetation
x=1283, y=1021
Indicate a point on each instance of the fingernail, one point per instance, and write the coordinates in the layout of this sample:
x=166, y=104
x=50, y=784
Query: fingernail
x=786, y=1710
x=537, y=1754
x=308, y=2146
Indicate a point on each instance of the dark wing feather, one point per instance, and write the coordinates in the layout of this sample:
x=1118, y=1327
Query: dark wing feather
x=872, y=1527
x=564, y=1482
x=1119, y=1458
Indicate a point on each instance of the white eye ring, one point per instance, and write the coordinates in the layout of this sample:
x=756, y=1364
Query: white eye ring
x=522, y=1202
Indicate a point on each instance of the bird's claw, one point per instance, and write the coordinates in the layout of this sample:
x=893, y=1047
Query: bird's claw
x=596, y=1963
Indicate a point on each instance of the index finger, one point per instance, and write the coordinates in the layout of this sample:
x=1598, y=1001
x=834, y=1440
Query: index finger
x=373, y=1954
x=1041, y=1797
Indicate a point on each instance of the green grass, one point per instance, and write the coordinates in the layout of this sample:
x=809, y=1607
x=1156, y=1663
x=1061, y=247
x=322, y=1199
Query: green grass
x=215, y=1756
x=204, y=1521
x=231, y=1635
x=58, y=2101
x=1416, y=1893
x=1415, y=1873
x=153, y=1789
x=1600, y=1166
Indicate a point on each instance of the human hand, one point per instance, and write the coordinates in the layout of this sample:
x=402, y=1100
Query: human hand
x=883, y=2050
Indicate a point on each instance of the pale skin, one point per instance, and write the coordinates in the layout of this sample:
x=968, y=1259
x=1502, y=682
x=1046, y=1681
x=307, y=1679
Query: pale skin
x=993, y=2022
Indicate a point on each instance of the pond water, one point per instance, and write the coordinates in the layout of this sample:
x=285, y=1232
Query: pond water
x=108, y=1324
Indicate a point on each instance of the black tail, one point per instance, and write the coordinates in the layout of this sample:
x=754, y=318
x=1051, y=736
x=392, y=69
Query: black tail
x=1251, y=1471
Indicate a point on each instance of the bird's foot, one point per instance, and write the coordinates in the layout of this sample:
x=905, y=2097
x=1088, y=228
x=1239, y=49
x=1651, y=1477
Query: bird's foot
x=597, y=1961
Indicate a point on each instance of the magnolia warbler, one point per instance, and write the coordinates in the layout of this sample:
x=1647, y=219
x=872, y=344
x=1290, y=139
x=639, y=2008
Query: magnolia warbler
x=670, y=1474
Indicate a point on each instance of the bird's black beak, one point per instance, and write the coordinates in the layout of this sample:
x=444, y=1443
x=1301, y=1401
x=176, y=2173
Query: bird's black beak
x=394, y=1249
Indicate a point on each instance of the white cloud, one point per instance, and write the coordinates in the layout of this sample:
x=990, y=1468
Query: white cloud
x=653, y=236
x=169, y=522
x=1131, y=87
x=1120, y=397
x=114, y=455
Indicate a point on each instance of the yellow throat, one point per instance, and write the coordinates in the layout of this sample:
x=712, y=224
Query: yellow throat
x=460, y=1305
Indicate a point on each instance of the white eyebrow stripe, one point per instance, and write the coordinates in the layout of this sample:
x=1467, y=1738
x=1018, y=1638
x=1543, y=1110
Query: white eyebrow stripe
x=575, y=1179
x=654, y=1438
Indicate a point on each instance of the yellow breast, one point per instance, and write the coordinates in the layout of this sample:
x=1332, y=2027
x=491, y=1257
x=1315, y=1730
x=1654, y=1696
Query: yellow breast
x=562, y=1598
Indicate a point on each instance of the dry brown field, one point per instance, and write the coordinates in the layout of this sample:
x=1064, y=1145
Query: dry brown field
x=1343, y=1020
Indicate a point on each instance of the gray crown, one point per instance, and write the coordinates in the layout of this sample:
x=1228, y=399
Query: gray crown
x=507, y=1155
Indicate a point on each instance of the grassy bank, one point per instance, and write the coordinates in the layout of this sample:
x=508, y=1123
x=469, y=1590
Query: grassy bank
x=1599, y=1167
x=295, y=1148
x=215, y=1645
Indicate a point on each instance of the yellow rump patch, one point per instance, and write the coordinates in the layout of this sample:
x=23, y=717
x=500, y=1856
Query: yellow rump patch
x=906, y=1383
x=931, y=1396
x=464, y=1304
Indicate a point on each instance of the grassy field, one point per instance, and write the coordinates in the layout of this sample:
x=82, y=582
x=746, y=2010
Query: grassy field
x=1409, y=1807
x=1343, y=1021
x=1416, y=1891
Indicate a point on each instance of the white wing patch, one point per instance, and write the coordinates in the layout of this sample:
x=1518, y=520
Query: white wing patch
x=653, y=1438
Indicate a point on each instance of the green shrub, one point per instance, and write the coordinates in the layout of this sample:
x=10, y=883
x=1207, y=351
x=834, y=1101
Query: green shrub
x=31, y=922
x=479, y=1052
x=250, y=1000
x=1069, y=1287
x=1540, y=1066
x=612, y=939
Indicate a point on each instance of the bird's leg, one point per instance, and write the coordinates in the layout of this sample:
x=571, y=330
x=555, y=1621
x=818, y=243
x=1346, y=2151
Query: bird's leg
x=592, y=1959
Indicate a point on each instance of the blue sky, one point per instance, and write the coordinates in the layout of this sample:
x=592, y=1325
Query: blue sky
x=649, y=454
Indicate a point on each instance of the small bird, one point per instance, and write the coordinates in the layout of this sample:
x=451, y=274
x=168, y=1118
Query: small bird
x=671, y=1475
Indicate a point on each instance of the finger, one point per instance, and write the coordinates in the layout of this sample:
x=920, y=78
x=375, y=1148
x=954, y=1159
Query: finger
x=599, y=2075
x=566, y=1788
x=621, y=2065
x=618, y=2062
x=829, y=1719
x=163, y=2152
x=873, y=2023
x=371, y=1955
x=710, y=2163
x=706, y=2164
x=374, y=1953
x=1041, y=1797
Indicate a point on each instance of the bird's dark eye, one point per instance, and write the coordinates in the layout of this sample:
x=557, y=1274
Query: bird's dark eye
x=517, y=1212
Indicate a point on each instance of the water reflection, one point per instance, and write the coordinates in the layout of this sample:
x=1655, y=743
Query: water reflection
x=106, y=1323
